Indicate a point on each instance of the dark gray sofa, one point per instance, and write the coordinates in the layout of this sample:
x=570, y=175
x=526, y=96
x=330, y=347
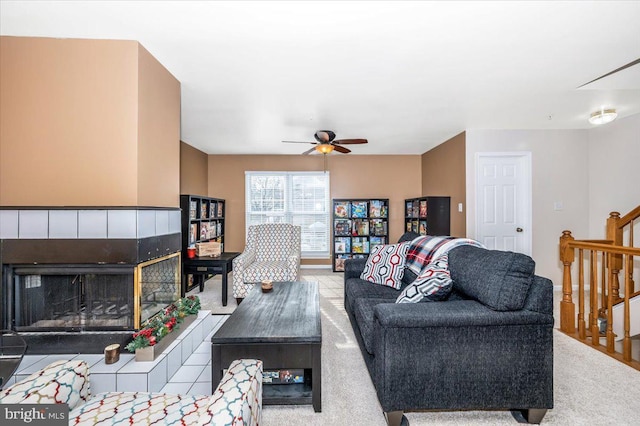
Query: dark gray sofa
x=488, y=346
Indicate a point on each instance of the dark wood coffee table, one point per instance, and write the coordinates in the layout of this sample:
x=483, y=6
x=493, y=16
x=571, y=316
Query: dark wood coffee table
x=281, y=328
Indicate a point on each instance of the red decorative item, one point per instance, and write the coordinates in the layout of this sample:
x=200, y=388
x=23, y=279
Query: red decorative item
x=191, y=253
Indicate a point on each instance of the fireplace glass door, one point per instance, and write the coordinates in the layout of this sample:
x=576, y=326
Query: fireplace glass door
x=73, y=298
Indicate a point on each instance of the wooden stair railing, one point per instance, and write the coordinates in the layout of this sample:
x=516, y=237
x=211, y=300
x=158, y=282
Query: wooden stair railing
x=599, y=261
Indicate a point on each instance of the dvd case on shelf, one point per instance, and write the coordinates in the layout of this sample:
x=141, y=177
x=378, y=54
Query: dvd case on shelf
x=359, y=209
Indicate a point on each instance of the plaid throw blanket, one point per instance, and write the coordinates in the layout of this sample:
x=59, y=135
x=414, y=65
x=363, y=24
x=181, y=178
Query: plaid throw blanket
x=423, y=250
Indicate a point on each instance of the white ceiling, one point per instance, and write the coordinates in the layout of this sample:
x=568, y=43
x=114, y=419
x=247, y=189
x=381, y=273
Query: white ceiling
x=405, y=75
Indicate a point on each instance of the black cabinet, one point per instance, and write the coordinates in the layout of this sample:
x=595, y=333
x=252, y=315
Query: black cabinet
x=358, y=226
x=428, y=215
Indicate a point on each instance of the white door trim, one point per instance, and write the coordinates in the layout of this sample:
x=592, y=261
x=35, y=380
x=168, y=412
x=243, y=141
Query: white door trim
x=527, y=176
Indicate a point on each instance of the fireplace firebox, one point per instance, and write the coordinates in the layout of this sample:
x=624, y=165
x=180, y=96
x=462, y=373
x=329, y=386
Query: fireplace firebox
x=106, y=303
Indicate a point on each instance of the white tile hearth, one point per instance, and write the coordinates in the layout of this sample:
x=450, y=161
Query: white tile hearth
x=184, y=364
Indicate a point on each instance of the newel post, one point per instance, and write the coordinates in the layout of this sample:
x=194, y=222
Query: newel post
x=567, y=307
x=614, y=233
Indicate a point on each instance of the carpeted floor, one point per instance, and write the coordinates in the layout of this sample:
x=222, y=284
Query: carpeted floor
x=589, y=387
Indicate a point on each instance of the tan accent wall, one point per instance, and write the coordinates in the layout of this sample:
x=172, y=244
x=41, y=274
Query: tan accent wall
x=71, y=114
x=193, y=170
x=158, y=133
x=444, y=173
x=358, y=176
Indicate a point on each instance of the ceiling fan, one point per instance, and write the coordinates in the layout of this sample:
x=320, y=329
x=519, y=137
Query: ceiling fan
x=326, y=143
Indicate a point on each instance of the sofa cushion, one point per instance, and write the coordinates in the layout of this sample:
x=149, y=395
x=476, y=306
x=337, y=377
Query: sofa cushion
x=363, y=311
x=61, y=382
x=385, y=265
x=434, y=283
x=498, y=279
x=355, y=288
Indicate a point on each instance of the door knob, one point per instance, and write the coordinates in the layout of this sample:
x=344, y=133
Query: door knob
x=518, y=229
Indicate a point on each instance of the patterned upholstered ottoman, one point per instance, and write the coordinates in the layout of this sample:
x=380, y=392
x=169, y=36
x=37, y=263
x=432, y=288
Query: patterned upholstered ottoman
x=236, y=401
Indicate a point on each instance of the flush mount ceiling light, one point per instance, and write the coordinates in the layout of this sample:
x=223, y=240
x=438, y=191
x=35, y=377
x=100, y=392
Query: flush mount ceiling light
x=603, y=116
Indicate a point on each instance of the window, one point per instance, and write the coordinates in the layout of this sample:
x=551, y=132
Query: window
x=299, y=198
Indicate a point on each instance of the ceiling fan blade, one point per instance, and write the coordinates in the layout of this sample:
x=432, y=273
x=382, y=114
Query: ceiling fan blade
x=341, y=149
x=630, y=64
x=307, y=152
x=300, y=142
x=350, y=141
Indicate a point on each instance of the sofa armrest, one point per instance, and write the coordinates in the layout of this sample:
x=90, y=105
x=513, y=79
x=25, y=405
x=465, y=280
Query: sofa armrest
x=61, y=382
x=353, y=268
x=238, y=398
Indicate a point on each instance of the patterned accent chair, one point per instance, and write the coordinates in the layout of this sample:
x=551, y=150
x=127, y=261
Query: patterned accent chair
x=237, y=401
x=272, y=253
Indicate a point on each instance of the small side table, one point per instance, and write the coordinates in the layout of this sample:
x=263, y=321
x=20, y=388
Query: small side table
x=203, y=267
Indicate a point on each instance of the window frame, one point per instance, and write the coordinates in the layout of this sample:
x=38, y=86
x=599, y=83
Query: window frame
x=288, y=214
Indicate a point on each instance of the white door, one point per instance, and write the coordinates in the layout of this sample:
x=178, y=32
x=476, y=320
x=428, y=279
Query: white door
x=503, y=201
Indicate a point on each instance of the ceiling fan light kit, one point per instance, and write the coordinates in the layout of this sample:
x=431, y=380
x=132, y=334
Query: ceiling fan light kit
x=603, y=116
x=324, y=148
x=326, y=144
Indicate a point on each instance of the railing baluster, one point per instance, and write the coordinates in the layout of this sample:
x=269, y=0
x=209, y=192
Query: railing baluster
x=582, y=326
x=593, y=293
x=626, y=344
x=611, y=347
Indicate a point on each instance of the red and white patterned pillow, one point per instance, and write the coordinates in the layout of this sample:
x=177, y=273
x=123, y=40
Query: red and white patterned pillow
x=385, y=265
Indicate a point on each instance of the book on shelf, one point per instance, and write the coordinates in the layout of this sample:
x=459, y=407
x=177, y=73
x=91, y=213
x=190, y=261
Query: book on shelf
x=422, y=227
x=213, y=210
x=378, y=227
x=359, y=256
x=219, y=229
x=342, y=245
x=377, y=208
x=414, y=226
x=359, y=209
x=376, y=241
x=415, y=208
x=203, y=209
x=193, y=209
x=342, y=227
x=339, y=261
x=408, y=212
x=408, y=226
x=204, y=230
x=213, y=229
x=341, y=209
x=423, y=208
x=220, y=212
x=360, y=227
x=193, y=233
x=360, y=245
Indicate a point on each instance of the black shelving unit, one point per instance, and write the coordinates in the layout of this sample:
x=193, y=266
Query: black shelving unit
x=428, y=215
x=202, y=221
x=358, y=225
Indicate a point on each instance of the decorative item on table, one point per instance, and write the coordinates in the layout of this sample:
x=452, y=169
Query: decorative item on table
x=112, y=354
x=267, y=286
x=155, y=329
x=191, y=252
x=210, y=248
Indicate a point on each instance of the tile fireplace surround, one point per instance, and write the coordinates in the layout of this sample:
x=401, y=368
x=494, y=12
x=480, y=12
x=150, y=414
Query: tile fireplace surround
x=89, y=240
